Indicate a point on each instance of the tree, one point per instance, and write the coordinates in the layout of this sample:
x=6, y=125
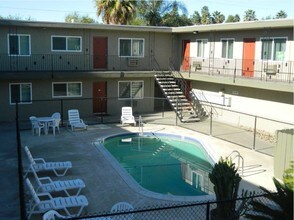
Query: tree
x=217, y=17
x=174, y=19
x=250, y=15
x=205, y=16
x=153, y=11
x=116, y=11
x=281, y=14
x=196, y=18
x=76, y=18
x=232, y=18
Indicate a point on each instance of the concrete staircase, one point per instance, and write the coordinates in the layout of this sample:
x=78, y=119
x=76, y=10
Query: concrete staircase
x=180, y=104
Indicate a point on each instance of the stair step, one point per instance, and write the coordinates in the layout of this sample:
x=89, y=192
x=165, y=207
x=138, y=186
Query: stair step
x=171, y=89
x=167, y=82
x=169, y=86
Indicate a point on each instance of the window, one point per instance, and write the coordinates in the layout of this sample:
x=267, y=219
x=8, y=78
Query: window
x=20, y=92
x=131, y=47
x=61, y=43
x=69, y=89
x=130, y=89
x=201, y=48
x=227, y=48
x=273, y=49
x=19, y=44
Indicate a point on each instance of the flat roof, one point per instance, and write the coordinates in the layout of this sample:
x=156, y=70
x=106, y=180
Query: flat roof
x=274, y=23
x=248, y=25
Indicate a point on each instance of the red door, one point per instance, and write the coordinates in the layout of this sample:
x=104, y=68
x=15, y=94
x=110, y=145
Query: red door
x=100, y=52
x=186, y=55
x=100, y=97
x=248, y=57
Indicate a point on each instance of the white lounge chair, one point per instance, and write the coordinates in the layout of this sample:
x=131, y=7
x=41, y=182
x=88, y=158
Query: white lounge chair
x=52, y=215
x=75, y=121
x=39, y=164
x=127, y=116
x=42, y=202
x=36, y=125
x=55, y=123
x=46, y=184
x=122, y=207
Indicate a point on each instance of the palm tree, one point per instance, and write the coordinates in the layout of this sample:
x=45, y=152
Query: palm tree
x=153, y=11
x=250, y=15
x=281, y=14
x=283, y=208
x=218, y=17
x=116, y=11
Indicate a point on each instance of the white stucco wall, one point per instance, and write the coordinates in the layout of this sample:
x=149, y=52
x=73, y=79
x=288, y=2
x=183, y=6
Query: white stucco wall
x=255, y=107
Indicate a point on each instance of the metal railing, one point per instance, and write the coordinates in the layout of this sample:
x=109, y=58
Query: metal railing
x=251, y=131
x=74, y=63
x=264, y=70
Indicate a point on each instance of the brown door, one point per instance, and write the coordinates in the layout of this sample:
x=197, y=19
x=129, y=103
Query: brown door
x=100, y=52
x=100, y=97
x=185, y=55
x=248, y=57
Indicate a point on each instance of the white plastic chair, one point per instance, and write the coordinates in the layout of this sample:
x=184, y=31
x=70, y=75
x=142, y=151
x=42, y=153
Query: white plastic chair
x=52, y=215
x=74, y=120
x=36, y=125
x=46, y=184
x=127, y=116
x=39, y=164
x=122, y=207
x=38, y=204
x=55, y=123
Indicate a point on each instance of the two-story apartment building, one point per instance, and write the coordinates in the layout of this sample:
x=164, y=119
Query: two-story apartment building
x=250, y=63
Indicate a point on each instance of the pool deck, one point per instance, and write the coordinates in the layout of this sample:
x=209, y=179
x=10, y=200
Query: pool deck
x=104, y=184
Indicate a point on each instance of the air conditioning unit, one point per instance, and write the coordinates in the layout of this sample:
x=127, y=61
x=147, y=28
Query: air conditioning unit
x=197, y=65
x=133, y=62
x=270, y=69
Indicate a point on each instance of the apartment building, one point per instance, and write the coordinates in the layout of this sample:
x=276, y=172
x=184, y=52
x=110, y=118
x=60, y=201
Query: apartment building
x=241, y=66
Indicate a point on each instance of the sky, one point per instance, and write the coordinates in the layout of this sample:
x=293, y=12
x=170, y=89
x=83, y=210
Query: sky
x=56, y=10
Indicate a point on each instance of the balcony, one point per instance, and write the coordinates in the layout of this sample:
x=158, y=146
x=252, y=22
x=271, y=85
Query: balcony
x=74, y=63
x=262, y=70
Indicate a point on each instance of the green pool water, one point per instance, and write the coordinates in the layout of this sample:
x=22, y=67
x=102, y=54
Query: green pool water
x=164, y=164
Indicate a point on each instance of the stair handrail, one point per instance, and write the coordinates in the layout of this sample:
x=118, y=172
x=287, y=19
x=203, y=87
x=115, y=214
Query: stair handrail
x=210, y=109
x=182, y=81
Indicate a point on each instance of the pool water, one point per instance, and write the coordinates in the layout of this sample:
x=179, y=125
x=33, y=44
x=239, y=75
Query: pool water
x=163, y=163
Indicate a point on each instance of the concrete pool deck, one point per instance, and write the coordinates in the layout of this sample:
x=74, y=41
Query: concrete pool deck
x=104, y=185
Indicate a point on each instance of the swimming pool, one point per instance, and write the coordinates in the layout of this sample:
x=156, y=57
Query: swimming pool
x=163, y=163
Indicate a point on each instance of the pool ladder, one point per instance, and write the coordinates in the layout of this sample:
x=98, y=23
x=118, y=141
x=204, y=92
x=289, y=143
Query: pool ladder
x=236, y=155
x=141, y=124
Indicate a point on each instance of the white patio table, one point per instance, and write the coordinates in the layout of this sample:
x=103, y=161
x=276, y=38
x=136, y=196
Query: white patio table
x=45, y=120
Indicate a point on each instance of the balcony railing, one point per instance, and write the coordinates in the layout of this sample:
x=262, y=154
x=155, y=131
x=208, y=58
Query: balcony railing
x=282, y=71
x=74, y=63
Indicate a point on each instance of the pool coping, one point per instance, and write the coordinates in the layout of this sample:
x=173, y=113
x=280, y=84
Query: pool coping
x=134, y=185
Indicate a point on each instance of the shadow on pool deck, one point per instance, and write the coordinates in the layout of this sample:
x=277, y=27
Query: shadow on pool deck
x=104, y=185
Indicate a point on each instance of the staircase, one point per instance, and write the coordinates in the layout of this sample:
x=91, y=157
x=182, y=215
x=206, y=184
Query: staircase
x=181, y=105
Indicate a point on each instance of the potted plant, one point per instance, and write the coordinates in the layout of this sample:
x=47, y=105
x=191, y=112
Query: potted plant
x=226, y=180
